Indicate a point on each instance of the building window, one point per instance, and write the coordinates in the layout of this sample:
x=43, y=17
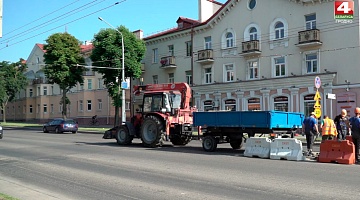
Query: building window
x=253, y=69
x=229, y=73
x=89, y=82
x=229, y=40
x=30, y=109
x=251, y=4
x=38, y=108
x=310, y=21
x=99, y=104
x=89, y=105
x=208, y=105
x=230, y=104
x=311, y=61
x=279, y=65
x=155, y=79
x=100, y=83
x=127, y=106
x=253, y=33
x=309, y=104
x=38, y=91
x=45, y=108
x=208, y=75
x=38, y=60
x=81, y=108
x=188, y=48
x=254, y=104
x=81, y=86
x=171, y=50
x=52, y=90
x=155, y=55
x=52, y=108
x=208, y=42
x=30, y=92
x=188, y=75
x=171, y=77
x=45, y=90
x=281, y=103
x=279, y=30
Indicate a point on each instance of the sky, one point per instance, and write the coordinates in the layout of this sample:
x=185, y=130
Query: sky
x=27, y=22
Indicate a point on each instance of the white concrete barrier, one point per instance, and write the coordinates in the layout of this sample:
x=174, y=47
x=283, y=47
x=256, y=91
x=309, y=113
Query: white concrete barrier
x=257, y=147
x=286, y=148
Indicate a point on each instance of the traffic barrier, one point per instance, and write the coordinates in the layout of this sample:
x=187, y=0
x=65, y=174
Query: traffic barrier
x=342, y=152
x=286, y=148
x=348, y=137
x=257, y=147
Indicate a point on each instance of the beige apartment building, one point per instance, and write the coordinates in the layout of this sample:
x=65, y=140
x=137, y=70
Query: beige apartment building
x=40, y=101
x=261, y=55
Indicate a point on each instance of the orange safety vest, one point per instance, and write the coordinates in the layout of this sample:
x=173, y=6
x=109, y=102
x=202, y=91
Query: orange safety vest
x=329, y=127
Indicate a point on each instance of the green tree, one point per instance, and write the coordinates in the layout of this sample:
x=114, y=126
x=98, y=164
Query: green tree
x=62, y=55
x=107, y=53
x=12, y=82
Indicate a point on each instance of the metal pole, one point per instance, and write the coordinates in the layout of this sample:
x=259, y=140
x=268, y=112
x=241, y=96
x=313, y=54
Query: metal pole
x=123, y=113
x=331, y=116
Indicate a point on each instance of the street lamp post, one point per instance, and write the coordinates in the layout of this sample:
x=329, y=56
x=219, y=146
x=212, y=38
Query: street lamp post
x=123, y=113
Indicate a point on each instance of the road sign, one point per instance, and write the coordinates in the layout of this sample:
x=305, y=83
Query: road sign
x=124, y=85
x=330, y=96
x=317, y=82
x=317, y=96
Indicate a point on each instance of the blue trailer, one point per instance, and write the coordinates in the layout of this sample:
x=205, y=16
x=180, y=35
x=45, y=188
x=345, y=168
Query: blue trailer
x=230, y=127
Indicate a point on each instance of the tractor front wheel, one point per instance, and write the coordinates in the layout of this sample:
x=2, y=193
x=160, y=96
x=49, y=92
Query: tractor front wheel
x=123, y=136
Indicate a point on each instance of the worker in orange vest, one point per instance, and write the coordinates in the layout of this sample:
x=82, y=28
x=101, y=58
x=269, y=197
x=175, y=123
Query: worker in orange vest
x=328, y=129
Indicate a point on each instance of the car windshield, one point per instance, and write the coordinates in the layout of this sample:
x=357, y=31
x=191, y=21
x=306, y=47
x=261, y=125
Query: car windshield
x=175, y=100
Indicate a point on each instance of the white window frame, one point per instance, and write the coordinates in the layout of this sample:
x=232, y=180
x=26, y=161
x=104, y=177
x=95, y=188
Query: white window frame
x=310, y=24
x=45, y=91
x=127, y=106
x=188, y=75
x=100, y=83
x=188, y=48
x=51, y=108
x=276, y=65
x=31, y=93
x=247, y=32
x=207, y=76
x=155, y=79
x=100, y=104
x=272, y=29
x=229, y=40
x=171, y=78
x=171, y=50
x=229, y=74
x=225, y=40
x=30, y=109
x=89, y=84
x=155, y=55
x=253, y=35
x=45, y=108
x=250, y=68
x=81, y=106
x=312, y=60
x=279, y=31
x=207, y=42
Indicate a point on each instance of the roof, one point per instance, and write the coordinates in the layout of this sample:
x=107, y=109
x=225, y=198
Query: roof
x=84, y=48
x=194, y=23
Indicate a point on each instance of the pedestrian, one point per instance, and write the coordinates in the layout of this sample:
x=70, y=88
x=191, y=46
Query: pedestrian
x=328, y=129
x=311, y=129
x=342, y=125
x=355, y=131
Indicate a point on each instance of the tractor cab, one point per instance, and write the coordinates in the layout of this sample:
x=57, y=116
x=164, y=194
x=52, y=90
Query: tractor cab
x=164, y=102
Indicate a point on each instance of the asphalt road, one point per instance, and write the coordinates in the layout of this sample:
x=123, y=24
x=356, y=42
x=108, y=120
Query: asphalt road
x=36, y=165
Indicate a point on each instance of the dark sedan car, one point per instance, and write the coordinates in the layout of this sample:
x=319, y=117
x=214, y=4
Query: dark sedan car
x=1, y=132
x=60, y=126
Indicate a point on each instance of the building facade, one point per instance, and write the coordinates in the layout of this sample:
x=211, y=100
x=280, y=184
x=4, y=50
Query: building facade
x=261, y=55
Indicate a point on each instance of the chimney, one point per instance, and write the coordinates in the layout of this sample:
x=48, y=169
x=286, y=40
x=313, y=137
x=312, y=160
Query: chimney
x=139, y=34
x=208, y=8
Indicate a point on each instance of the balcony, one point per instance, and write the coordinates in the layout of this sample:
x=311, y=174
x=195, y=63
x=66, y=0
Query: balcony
x=205, y=56
x=167, y=62
x=309, y=38
x=88, y=72
x=250, y=48
x=39, y=81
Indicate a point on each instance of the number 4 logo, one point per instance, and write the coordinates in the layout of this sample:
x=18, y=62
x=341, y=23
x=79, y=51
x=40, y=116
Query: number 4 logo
x=344, y=7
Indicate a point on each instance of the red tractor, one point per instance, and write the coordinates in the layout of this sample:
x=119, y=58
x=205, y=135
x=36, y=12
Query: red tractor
x=165, y=114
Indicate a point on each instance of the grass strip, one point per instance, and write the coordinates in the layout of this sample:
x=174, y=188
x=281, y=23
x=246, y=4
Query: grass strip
x=6, y=197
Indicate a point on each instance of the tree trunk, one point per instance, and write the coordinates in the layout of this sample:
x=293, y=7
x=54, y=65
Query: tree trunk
x=116, y=116
x=4, y=110
x=64, y=104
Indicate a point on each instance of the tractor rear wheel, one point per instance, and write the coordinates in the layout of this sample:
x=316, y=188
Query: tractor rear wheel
x=209, y=143
x=151, y=131
x=236, y=143
x=123, y=136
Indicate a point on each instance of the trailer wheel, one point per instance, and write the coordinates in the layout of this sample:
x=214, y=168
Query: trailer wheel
x=178, y=140
x=123, y=136
x=209, y=143
x=236, y=143
x=151, y=130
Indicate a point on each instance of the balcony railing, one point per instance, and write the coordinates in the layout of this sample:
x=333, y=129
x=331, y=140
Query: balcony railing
x=251, y=47
x=168, y=62
x=309, y=38
x=39, y=81
x=88, y=72
x=206, y=55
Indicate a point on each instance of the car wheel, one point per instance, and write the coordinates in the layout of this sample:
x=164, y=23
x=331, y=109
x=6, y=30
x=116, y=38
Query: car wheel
x=57, y=130
x=45, y=130
x=74, y=132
